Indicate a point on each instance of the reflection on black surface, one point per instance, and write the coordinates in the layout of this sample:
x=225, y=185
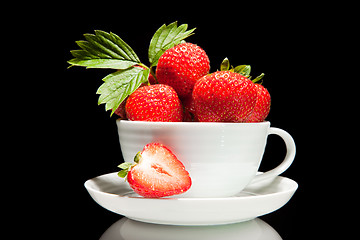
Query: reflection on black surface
x=127, y=229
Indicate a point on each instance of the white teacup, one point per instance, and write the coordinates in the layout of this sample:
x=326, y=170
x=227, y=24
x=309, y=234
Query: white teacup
x=221, y=158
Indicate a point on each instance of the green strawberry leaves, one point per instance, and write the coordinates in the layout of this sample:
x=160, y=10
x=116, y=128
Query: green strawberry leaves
x=165, y=38
x=225, y=65
x=108, y=50
x=244, y=70
x=104, y=50
x=126, y=167
x=118, y=85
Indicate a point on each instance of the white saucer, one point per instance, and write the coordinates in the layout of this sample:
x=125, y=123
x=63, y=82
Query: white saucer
x=114, y=194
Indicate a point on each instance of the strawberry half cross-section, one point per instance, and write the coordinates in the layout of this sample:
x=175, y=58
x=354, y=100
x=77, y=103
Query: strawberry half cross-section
x=156, y=172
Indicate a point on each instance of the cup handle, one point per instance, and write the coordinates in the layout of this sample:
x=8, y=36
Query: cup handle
x=289, y=158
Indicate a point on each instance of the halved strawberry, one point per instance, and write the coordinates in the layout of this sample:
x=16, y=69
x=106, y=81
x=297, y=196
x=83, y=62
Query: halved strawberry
x=156, y=172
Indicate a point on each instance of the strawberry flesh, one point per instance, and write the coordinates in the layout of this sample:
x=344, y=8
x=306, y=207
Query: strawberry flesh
x=158, y=173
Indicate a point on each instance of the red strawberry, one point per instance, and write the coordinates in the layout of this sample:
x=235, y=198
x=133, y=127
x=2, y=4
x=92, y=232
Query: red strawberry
x=189, y=110
x=151, y=79
x=224, y=96
x=262, y=106
x=156, y=103
x=120, y=111
x=156, y=173
x=181, y=66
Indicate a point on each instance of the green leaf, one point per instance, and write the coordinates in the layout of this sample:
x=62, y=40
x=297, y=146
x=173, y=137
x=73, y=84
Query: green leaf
x=138, y=157
x=123, y=173
x=102, y=63
x=118, y=85
x=165, y=38
x=243, y=70
x=225, y=65
x=258, y=78
x=125, y=165
x=103, y=50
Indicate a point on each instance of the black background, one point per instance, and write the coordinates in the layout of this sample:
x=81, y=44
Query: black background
x=285, y=42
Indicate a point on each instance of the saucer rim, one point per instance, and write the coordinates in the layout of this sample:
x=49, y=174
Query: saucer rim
x=234, y=197
x=270, y=195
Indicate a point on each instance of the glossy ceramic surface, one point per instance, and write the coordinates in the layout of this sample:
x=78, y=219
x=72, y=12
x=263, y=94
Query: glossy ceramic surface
x=222, y=158
x=114, y=194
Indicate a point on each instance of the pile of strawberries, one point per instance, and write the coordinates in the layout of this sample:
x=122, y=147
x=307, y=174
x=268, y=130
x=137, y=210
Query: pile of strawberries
x=183, y=90
x=176, y=87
